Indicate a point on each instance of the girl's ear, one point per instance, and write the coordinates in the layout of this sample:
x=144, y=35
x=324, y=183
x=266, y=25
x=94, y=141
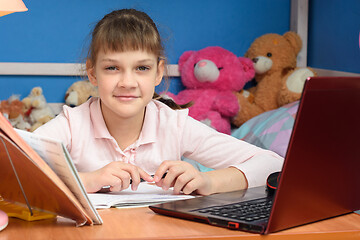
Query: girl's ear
x=160, y=72
x=91, y=73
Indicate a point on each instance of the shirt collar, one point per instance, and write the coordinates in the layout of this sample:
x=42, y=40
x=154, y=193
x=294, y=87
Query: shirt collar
x=97, y=119
x=151, y=121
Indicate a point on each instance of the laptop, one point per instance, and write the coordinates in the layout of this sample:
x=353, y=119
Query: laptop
x=320, y=176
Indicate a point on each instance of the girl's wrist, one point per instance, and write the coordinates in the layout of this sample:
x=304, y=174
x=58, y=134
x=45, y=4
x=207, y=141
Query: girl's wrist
x=85, y=181
x=225, y=180
x=211, y=183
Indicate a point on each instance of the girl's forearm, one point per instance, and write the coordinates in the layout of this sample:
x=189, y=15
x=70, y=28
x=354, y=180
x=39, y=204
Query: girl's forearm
x=226, y=180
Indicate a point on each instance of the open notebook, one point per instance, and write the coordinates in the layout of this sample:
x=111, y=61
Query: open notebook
x=38, y=172
x=146, y=194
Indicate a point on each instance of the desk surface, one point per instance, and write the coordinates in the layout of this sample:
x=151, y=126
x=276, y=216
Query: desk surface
x=142, y=223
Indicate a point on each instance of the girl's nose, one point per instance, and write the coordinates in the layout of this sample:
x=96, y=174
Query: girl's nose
x=127, y=80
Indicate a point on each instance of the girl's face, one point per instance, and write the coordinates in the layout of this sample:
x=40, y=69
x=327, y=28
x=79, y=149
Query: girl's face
x=126, y=82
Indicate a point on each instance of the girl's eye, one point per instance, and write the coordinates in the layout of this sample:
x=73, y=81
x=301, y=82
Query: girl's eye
x=142, y=68
x=111, y=68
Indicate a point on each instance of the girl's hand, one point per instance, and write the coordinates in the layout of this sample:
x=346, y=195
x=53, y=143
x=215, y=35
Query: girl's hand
x=183, y=177
x=117, y=175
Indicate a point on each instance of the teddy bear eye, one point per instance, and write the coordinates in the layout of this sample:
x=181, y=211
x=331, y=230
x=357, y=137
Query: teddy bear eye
x=220, y=68
x=269, y=54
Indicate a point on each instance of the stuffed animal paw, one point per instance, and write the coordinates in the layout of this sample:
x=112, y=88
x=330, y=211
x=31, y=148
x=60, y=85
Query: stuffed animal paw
x=296, y=80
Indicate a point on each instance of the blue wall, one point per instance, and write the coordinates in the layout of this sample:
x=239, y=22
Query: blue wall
x=57, y=31
x=334, y=27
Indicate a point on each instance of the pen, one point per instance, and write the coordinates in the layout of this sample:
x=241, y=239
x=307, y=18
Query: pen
x=106, y=189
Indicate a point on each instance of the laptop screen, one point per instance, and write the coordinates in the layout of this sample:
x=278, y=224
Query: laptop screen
x=320, y=176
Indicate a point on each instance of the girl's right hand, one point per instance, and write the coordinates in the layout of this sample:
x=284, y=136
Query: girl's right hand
x=117, y=175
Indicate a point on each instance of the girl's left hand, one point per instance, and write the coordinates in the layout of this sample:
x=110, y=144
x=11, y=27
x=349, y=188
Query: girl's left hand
x=183, y=177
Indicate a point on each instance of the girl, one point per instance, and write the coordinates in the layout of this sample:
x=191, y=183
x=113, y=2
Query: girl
x=127, y=134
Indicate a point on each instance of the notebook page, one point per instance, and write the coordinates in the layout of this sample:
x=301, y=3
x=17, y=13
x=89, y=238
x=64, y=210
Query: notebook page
x=146, y=194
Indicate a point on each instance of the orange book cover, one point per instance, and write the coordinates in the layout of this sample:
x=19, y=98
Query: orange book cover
x=26, y=173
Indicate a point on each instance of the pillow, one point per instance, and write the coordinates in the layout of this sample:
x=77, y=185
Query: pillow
x=270, y=130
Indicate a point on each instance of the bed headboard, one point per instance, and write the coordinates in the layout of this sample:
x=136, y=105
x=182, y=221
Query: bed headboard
x=58, y=69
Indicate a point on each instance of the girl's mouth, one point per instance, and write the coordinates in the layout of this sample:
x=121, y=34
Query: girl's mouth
x=126, y=97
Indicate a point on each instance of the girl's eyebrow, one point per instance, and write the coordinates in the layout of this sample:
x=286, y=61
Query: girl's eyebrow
x=147, y=61
x=107, y=59
x=142, y=61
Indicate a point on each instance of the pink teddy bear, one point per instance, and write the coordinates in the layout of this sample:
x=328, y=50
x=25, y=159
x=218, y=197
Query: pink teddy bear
x=211, y=76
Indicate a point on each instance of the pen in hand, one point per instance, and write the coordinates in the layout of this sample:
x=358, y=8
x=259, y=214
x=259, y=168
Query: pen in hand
x=106, y=189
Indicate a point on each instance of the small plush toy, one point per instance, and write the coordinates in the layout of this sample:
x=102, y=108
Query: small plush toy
x=17, y=114
x=14, y=110
x=211, y=76
x=278, y=79
x=79, y=92
x=5, y=108
x=38, y=110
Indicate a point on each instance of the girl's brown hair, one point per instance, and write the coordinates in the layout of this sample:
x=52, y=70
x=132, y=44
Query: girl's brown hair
x=128, y=30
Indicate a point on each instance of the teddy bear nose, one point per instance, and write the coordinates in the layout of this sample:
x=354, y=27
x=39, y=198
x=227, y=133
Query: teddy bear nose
x=255, y=60
x=206, y=71
x=202, y=64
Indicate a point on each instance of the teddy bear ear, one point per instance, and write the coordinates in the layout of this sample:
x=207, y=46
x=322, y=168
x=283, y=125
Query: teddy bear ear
x=294, y=39
x=184, y=57
x=248, y=67
x=36, y=91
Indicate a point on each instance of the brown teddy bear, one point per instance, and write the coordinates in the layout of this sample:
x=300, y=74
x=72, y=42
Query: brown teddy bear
x=79, y=92
x=278, y=80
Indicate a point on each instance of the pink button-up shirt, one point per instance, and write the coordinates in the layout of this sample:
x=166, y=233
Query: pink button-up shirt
x=166, y=135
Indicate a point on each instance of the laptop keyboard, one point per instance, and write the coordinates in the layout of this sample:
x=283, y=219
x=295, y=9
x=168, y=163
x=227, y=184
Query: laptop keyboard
x=249, y=211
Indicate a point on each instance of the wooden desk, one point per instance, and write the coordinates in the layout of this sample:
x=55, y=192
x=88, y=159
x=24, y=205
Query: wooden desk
x=142, y=223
